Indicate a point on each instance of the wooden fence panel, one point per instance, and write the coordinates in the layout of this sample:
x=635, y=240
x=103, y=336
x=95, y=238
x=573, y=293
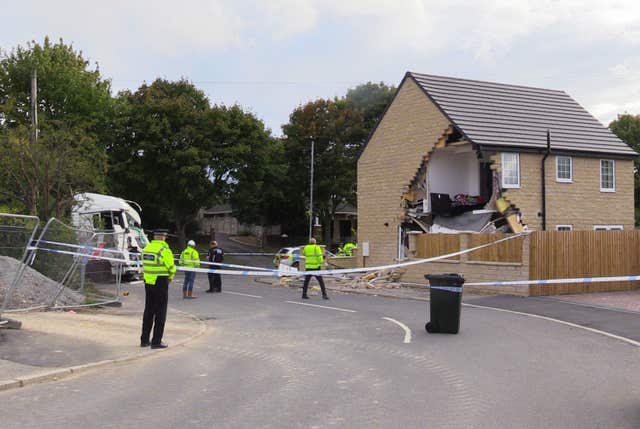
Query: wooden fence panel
x=430, y=245
x=570, y=254
x=507, y=251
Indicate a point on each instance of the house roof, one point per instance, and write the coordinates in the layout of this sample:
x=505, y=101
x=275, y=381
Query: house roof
x=219, y=209
x=346, y=209
x=499, y=115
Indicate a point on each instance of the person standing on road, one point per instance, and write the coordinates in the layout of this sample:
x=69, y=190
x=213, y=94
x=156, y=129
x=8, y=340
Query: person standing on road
x=191, y=259
x=215, y=254
x=158, y=270
x=313, y=262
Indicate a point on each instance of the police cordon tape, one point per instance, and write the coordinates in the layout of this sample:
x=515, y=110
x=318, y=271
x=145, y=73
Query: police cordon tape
x=259, y=271
x=122, y=252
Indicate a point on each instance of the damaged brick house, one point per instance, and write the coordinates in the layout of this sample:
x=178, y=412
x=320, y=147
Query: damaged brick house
x=454, y=155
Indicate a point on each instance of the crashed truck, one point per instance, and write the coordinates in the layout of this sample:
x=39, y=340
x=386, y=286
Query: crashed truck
x=115, y=225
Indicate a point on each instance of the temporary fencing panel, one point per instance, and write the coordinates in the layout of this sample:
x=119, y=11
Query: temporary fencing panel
x=16, y=232
x=62, y=269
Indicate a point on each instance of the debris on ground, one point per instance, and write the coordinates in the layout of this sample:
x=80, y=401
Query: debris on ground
x=383, y=279
x=34, y=289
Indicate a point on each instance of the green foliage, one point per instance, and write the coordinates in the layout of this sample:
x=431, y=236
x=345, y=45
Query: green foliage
x=258, y=170
x=339, y=133
x=627, y=128
x=74, y=107
x=163, y=151
x=371, y=99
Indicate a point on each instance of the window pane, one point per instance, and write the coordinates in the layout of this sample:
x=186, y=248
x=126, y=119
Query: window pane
x=510, y=169
x=563, y=166
x=606, y=174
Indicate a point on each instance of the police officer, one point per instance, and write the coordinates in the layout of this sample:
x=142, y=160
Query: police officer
x=215, y=254
x=313, y=262
x=191, y=259
x=158, y=269
x=349, y=248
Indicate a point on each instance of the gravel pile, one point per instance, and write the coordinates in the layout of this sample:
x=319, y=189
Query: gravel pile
x=34, y=289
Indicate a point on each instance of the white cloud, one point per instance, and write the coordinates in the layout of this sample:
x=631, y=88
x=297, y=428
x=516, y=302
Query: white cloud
x=141, y=39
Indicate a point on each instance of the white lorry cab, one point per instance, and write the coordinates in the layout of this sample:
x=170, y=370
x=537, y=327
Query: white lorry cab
x=116, y=224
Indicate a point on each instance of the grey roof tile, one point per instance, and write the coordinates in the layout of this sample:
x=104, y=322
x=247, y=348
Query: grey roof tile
x=500, y=115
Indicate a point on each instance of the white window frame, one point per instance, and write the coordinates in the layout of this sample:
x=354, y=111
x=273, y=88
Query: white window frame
x=608, y=228
x=568, y=227
x=613, y=165
x=564, y=179
x=510, y=185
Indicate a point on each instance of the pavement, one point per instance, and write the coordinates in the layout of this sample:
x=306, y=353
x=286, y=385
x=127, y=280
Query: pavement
x=56, y=344
x=52, y=345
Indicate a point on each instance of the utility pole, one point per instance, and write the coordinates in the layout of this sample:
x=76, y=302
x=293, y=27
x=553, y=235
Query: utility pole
x=34, y=106
x=311, y=193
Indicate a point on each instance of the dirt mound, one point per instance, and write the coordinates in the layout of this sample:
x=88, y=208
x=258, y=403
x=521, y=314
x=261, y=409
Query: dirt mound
x=34, y=289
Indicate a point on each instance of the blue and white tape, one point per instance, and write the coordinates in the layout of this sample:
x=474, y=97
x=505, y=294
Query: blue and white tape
x=558, y=281
x=259, y=271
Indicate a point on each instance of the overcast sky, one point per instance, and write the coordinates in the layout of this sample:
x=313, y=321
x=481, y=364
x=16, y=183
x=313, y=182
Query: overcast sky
x=271, y=56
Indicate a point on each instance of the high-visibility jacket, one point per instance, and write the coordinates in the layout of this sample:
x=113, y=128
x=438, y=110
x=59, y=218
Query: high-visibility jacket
x=157, y=261
x=313, y=256
x=348, y=248
x=190, y=258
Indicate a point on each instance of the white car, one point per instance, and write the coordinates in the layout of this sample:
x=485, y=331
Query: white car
x=289, y=256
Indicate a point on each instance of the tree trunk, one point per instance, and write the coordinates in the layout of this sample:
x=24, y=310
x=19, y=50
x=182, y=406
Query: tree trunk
x=181, y=229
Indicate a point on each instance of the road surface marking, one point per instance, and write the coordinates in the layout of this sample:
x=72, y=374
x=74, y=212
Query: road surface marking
x=562, y=322
x=135, y=282
x=407, y=331
x=322, y=306
x=242, y=294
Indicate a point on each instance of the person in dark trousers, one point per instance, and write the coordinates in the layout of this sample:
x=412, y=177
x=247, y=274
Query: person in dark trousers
x=215, y=254
x=313, y=255
x=158, y=270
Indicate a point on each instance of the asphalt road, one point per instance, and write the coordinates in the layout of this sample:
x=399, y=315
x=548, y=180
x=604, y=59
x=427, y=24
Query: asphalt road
x=268, y=361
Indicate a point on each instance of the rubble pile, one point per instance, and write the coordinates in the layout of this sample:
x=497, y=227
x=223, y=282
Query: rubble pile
x=34, y=289
x=383, y=279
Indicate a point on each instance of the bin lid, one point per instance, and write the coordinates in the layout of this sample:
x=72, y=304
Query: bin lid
x=446, y=279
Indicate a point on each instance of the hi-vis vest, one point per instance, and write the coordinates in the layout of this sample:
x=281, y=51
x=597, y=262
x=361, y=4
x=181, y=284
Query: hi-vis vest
x=190, y=258
x=157, y=260
x=313, y=256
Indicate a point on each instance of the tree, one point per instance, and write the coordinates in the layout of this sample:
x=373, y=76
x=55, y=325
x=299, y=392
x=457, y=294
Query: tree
x=371, y=99
x=627, y=128
x=163, y=152
x=74, y=106
x=258, y=170
x=338, y=133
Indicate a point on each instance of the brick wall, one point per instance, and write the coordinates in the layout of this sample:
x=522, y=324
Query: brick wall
x=408, y=131
x=579, y=203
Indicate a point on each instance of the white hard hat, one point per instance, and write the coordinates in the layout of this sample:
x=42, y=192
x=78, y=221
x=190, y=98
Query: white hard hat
x=191, y=243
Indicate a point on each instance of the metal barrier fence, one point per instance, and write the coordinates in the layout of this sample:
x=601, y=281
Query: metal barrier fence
x=16, y=232
x=60, y=269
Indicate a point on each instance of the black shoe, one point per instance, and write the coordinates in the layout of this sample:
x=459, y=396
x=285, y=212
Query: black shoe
x=209, y=291
x=325, y=297
x=305, y=297
x=159, y=346
x=145, y=343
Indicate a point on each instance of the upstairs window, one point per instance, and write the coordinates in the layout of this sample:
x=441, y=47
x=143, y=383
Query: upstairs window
x=607, y=175
x=510, y=170
x=564, y=171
